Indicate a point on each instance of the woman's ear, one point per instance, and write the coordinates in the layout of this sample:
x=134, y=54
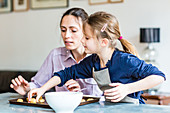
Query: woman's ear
x=104, y=42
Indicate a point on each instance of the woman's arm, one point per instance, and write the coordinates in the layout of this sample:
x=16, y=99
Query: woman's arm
x=121, y=90
x=40, y=91
x=45, y=72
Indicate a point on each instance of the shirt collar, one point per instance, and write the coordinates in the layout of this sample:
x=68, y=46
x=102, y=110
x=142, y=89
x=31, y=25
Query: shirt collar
x=97, y=60
x=67, y=53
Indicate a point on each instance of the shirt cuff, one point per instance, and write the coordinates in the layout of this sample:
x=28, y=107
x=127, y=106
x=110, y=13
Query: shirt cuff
x=59, y=74
x=32, y=85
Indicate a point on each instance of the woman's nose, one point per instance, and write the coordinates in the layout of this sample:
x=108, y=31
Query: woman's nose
x=82, y=40
x=68, y=34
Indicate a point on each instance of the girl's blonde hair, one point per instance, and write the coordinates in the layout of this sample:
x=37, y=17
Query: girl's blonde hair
x=105, y=25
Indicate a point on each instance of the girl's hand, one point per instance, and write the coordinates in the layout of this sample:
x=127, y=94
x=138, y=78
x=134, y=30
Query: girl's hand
x=20, y=85
x=72, y=85
x=37, y=91
x=117, y=93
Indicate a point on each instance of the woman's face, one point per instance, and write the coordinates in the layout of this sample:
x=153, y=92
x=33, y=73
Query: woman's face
x=71, y=32
x=89, y=41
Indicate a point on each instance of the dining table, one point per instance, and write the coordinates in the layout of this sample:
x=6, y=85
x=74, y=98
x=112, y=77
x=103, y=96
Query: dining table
x=97, y=107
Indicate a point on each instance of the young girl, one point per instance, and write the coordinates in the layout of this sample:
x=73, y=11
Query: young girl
x=121, y=75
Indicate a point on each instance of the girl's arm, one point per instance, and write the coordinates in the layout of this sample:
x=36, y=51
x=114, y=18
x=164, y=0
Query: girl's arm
x=145, y=83
x=81, y=70
x=121, y=90
x=142, y=76
x=40, y=91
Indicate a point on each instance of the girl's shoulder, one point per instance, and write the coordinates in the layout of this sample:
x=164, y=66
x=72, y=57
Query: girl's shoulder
x=124, y=55
x=127, y=58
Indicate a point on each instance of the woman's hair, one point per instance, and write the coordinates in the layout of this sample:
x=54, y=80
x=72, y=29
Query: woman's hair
x=76, y=12
x=105, y=25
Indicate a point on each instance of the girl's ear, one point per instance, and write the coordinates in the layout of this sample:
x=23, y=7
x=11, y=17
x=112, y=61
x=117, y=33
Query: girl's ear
x=104, y=42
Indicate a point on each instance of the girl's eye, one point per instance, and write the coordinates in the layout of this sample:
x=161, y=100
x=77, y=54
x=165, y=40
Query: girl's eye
x=86, y=38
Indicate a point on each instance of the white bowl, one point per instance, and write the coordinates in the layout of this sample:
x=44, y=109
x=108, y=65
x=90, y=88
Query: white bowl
x=63, y=102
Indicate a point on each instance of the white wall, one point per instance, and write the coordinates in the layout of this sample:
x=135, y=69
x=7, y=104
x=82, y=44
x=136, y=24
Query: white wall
x=26, y=38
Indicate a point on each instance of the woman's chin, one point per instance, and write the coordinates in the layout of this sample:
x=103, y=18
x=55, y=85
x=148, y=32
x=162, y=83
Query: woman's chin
x=69, y=47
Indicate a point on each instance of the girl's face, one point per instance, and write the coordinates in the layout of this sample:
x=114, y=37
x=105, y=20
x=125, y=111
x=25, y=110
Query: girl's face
x=71, y=32
x=90, y=42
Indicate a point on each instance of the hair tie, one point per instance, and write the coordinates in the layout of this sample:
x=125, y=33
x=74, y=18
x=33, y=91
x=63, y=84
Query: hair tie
x=103, y=28
x=120, y=37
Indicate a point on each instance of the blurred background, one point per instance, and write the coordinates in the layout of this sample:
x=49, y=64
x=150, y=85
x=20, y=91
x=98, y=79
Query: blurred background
x=27, y=37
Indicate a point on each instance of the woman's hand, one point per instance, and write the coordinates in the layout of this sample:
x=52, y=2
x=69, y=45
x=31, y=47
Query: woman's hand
x=117, y=93
x=20, y=85
x=72, y=85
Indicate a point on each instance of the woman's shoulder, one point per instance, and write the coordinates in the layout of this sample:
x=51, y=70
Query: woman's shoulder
x=58, y=51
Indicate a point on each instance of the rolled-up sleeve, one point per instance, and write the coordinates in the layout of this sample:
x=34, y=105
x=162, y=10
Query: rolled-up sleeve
x=66, y=74
x=44, y=73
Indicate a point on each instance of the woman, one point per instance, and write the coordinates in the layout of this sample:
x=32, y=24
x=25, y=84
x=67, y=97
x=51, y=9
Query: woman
x=71, y=26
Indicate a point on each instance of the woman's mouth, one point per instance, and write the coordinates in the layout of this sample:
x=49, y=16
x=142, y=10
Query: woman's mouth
x=68, y=42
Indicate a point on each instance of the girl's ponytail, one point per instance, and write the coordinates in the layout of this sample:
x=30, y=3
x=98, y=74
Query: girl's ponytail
x=128, y=47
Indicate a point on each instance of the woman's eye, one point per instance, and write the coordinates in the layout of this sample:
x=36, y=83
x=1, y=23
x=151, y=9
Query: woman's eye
x=74, y=31
x=63, y=30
